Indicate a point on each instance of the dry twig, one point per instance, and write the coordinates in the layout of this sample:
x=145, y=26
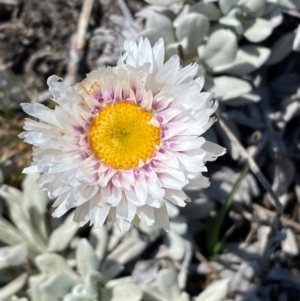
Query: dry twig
x=83, y=24
x=201, y=258
x=259, y=209
x=286, y=221
x=78, y=42
x=253, y=166
x=182, y=275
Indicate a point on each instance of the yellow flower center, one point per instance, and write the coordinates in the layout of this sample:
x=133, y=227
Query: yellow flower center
x=120, y=135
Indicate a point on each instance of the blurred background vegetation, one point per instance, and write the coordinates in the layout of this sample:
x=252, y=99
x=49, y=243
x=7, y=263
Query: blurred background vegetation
x=237, y=240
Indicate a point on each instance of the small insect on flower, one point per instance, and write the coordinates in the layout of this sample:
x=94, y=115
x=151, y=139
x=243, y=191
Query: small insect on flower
x=125, y=140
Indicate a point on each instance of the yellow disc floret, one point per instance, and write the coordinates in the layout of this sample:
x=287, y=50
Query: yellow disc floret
x=120, y=135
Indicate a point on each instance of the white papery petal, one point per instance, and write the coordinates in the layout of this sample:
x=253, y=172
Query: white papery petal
x=125, y=211
x=61, y=209
x=213, y=151
x=98, y=215
x=41, y=112
x=146, y=215
x=177, y=197
x=186, y=74
x=168, y=73
x=110, y=195
x=199, y=183
x=137, y=197
x=162, y=218
x=82, y=214
x=158, y=54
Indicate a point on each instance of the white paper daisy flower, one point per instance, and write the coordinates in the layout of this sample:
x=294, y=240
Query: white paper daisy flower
x=124, y=141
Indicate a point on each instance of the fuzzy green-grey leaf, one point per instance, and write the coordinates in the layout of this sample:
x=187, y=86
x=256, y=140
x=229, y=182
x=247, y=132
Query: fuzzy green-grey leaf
x=86, y=258
x=221, y=48
x=191, y=31
x=257, y=30
x=248, y=59
x=227, y=87
x=13, y=256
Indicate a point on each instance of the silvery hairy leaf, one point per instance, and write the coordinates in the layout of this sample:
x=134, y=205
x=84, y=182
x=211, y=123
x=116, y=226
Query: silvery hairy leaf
x=79, y=294
x=236, y=253
x=168, y=286
x=34, y=203
x=233, y=23
x=281, y=48
x=252, y=6
x=145, y=271
x=57, y=286
x=126, y=291
x=173, y=247
x=162, y=24
x=245, y=99
x=256, y=30
x=67, y=230
x=296, y=44
x=13, y=287
x=178, y=225
x=227, y=5
x=290, y=109
x=35, y=293
x=13, y=256
x=98, y=239
x=112, y=270
x=185, y=10
x=91, y=287
x=289, y=4
x=217, y=291
x=162, y=2
x=14, y=198
x=115, y=238
x=283, y=174
x=242, y=280
x=248, y=59
x=289, y=244
x=227, y=87
x=232, y=19
x=50, y=264
x=9, y=234
x=273, y=14
x=221, y=48
x=86, y=258
x=191, y=31
x=207, y=9
x=132, y=245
